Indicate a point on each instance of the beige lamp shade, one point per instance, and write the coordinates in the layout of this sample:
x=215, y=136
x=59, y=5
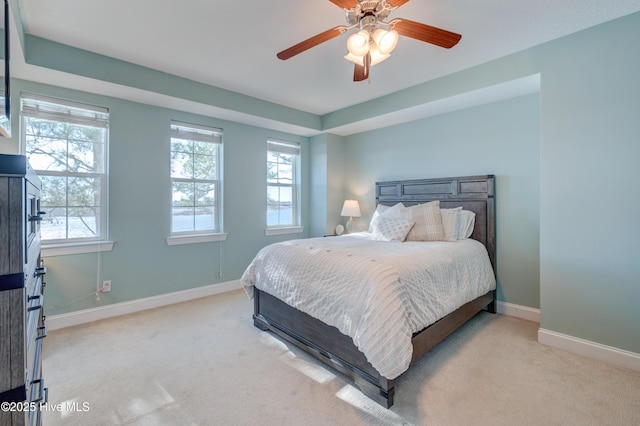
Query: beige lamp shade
x=350, y=208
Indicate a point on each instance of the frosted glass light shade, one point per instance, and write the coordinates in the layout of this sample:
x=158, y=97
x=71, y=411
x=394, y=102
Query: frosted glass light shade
x=358, y=43
x=386, y=40
x=359, y=60
x=376, y=55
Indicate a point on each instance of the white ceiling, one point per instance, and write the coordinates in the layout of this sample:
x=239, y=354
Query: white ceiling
x=233, y=44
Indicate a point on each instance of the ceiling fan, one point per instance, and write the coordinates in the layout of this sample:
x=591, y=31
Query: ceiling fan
x=376, y=37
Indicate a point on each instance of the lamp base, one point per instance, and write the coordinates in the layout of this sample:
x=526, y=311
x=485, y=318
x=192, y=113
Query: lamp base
x=349, y=226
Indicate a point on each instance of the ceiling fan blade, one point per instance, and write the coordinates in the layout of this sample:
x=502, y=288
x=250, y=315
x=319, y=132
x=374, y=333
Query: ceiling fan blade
x=311, y=42
x=346, y=4
x=397, y=3
x=426, y=33
x=361, y=72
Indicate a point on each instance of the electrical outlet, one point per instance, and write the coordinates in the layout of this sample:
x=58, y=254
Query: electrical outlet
x=106, y=286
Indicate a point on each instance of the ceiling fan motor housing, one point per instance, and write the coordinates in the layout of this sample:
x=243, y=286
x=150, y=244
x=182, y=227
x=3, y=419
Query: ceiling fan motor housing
x=367, y=14
x=369, y=22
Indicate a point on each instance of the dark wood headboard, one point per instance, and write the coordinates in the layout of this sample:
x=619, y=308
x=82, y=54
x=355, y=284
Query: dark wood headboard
x=475, y=193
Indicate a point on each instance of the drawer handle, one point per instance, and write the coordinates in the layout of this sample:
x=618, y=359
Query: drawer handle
x=40, y=271
x=34, y=308
x=42, y=329
x=44, y=392
x=30, y=298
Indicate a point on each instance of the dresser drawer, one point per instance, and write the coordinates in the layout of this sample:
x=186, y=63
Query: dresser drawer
x=33, y=217
x=33, y=268
x=34, y=304
x=36, y=390
x=34, y=276
x=13, y=353
x=33, y=334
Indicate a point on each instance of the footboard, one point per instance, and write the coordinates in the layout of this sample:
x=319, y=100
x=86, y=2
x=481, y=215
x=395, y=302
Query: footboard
x=337, y=350
x=322, y=341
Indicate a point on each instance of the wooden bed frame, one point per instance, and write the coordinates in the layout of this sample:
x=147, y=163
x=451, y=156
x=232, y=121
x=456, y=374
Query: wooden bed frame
x=475, y=193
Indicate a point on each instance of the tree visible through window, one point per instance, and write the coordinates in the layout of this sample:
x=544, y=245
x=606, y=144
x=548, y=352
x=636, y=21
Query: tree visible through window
x=195, y=181
x=282, y=189
x=66, y=146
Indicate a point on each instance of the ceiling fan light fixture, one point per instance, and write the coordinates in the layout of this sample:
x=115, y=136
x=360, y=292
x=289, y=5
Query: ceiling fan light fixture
x=386, y=40
x=358, y=43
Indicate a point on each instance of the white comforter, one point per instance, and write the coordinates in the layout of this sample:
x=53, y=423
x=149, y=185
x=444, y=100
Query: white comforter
x=377, y=292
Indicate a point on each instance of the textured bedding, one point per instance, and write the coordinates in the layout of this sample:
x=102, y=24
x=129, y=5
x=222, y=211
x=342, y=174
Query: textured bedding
x=377, y=292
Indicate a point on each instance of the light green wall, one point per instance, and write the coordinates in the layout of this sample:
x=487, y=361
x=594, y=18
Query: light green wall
x=336, y=169
x=327, y=183
x=500, y=138
x=319, y=185
x=590, y=171
x=141, y=263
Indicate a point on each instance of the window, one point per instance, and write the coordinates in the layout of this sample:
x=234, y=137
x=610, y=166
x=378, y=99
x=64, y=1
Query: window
x=282, y=184
x=195, y=179
x=66, y=144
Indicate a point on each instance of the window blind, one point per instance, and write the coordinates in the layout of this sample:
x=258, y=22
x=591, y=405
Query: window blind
x=42, y=107
x=194, y=132
x=284, y=147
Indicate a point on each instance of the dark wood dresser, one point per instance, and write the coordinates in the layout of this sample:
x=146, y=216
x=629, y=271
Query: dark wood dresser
x=22, y=328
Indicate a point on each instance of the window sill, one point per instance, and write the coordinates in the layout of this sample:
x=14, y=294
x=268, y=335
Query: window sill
x=283, y=231
x=63, y=249
x=177, y=240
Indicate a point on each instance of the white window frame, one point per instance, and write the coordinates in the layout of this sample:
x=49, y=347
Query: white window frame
x=34, y=106
x=293, y=148
x=199, y=133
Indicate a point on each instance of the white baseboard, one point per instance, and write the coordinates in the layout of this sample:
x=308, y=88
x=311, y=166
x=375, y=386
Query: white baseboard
x=590, y=349
x=518, y=311
x=572, y=344
x=55, y=322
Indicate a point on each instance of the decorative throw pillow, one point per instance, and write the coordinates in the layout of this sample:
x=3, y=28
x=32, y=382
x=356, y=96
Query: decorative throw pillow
x=397, y=211
x=380, y=209
x=450, y=220
x=467, y=222
x=428, y=222
x=388, y=229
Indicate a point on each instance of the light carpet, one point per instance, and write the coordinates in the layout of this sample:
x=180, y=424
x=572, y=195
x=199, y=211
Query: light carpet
x=204, y=363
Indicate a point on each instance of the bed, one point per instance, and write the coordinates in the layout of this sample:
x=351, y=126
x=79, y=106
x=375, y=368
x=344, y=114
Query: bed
x=273, y=311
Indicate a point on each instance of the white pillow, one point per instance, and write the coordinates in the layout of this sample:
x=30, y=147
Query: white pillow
x=450, y=223
x=397, y=211
x=465, y=227
x=389, y=229
x=428, y=222
x=380, y=209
